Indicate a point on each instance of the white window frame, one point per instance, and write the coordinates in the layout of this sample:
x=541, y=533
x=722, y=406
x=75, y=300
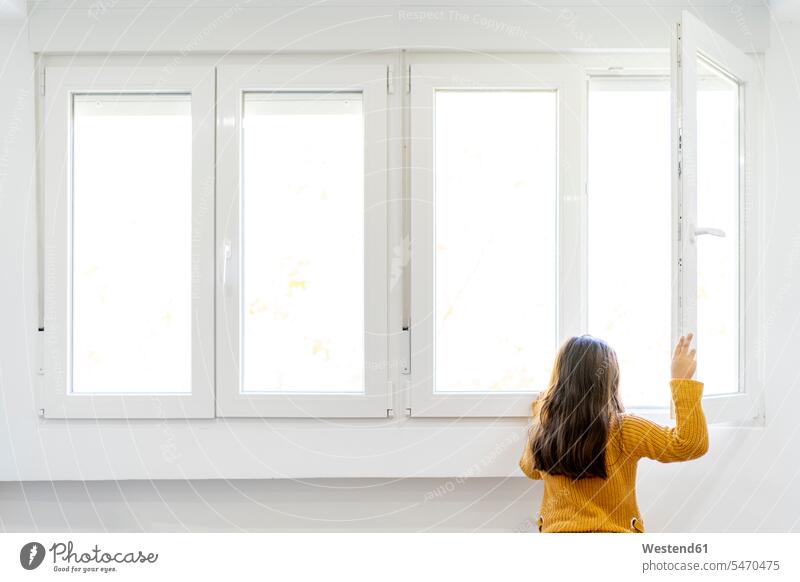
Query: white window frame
x=372, y=82
x=692, y=39
x=62, y=83
x=425, y=79
x=218, y=106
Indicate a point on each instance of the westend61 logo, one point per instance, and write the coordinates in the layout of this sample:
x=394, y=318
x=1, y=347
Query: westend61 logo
x=66, y=559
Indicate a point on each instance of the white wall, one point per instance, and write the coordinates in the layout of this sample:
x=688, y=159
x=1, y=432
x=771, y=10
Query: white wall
x=749, y=481
x=353, y=25
x=274, y=505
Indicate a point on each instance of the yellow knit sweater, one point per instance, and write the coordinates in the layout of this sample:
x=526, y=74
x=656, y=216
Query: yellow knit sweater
x=609, y=505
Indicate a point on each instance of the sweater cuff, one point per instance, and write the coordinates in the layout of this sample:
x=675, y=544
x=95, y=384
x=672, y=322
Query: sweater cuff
x=684, y=390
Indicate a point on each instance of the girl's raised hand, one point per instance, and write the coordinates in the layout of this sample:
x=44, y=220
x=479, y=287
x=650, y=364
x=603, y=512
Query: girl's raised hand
x=684, y=359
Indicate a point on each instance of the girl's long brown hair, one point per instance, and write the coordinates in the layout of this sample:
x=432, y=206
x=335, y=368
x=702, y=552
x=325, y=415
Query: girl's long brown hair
x=576, y=410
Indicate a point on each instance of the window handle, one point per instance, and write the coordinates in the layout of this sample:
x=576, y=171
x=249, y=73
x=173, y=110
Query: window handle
x=702, y=230
x=226, y=259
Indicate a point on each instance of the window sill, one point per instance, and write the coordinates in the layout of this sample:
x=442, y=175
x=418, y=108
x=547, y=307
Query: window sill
x=278, y=449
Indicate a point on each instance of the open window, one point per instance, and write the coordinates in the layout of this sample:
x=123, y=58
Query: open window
x=714, y=95
x=129, y=234
x=301, y=225
x=497, y=249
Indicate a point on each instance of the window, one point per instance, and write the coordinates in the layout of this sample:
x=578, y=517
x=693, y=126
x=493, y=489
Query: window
x=629, y=176
x=716, y=90
x=129, y=160
x=470, y=236
x=496, y=237
x=495, y=205
x=302, y=217
x=124, y=184
x=718, y=195
x=226, y=241
x=302, y=185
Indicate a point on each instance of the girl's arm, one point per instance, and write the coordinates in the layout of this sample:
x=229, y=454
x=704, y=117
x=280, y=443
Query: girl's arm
x=526, y=461
x=689, y=438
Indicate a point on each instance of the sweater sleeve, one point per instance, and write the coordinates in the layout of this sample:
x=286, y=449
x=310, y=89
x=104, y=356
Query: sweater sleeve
x=526, y=461
x=687, y=440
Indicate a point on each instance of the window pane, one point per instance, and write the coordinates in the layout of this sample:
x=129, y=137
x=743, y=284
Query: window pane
x=131, y=236
x=302, y=241
x=629, y=231
x=495, y=192
x=717, y=207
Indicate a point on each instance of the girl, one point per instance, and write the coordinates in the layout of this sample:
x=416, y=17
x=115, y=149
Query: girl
x=585, y=447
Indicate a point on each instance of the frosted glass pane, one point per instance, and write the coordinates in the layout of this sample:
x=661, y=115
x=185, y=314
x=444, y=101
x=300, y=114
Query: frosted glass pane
x=717, y=207
x=303, y=251
x=131, y=236
x=629, y=232
x=495, y=192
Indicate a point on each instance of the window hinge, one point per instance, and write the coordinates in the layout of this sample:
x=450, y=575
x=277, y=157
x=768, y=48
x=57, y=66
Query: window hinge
x=680, y=168
x=390, y=413
x=42, y=80
x=40, y=352
x=408, y=79
x=390, y=80
x=41, y=412
x=408, y=412
x=405, y=363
